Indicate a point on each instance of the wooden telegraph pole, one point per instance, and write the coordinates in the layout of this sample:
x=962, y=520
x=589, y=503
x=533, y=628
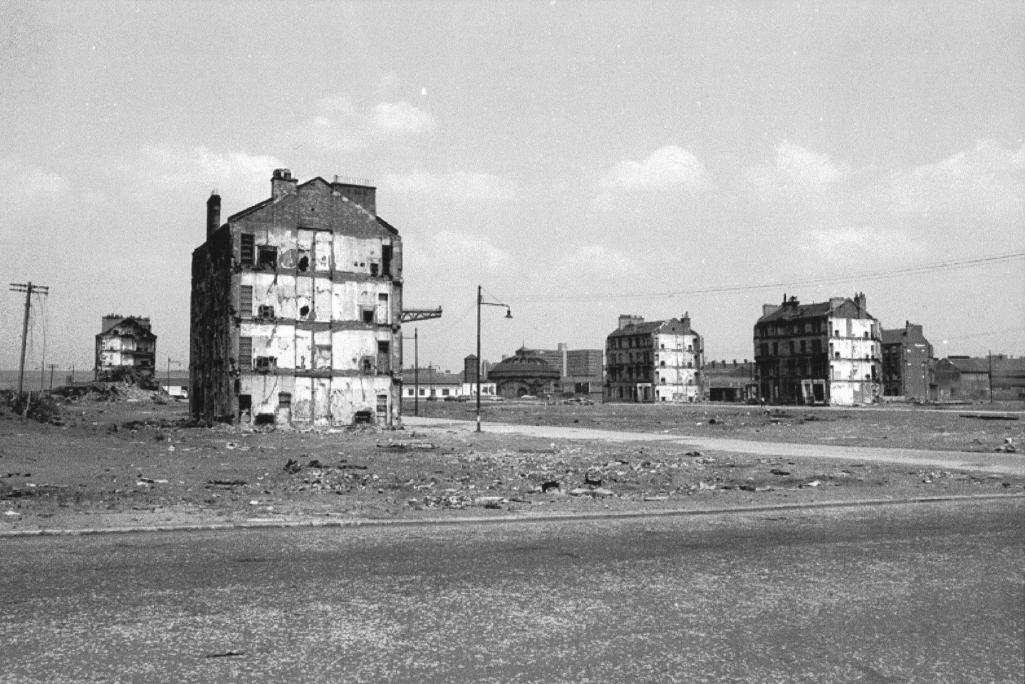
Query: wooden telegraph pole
x=29, y=289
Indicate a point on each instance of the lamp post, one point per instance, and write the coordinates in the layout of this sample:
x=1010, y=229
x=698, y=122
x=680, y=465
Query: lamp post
x=480, y=363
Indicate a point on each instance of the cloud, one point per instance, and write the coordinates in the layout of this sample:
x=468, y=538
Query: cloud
x=186, y=167
x=449, y=252
x=865, y=246
x=598, y=260
x=457, y=186
x=401, y=118
x=988, y=179
x=340, y=124
x=34, y=185
x=668, y=170
x=797, y=173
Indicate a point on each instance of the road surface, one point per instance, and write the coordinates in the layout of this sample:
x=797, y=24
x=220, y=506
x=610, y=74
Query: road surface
x=928, y=592
x=997, y=463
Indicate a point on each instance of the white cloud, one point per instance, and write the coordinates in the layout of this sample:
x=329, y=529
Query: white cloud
x=181, y=167
x=33, y=185
x=988, y=179
x=861, y=245
x=341, y=124
x=797, y=173
x=598, y=260
x=458, y=186
x=401, y=118
x=449, y=252
x=667, y=170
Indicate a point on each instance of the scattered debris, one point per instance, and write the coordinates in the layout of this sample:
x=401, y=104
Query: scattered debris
x=408, y=446
x=990, y=416
x=1007, y=447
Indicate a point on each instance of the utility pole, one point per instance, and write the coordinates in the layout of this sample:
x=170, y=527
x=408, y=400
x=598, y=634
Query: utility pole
x=29, y=289
x=989, y=353
x=416, y=371
x=52, y=367
x=409, y=316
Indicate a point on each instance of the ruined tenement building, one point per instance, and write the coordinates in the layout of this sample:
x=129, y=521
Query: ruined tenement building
x=822, y=353
x=907, y=363
x=125, y=344
x=296, y=306
x=653, y=361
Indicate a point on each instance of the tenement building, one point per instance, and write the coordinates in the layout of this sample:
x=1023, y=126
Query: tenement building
x=296, y=306
x=124, y=345
x=653, y=361
x=907, y=363
x=822, y=353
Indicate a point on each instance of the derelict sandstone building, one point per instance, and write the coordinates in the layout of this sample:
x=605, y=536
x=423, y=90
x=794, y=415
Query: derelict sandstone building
x=296, y=307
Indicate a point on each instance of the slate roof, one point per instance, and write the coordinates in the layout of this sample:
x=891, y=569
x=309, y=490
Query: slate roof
x=671, y=325
x=789, y=312
x=371, y=223
x=141, y=330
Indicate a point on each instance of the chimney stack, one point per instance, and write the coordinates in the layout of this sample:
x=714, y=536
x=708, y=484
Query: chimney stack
x=213, y=214
x=282, y=183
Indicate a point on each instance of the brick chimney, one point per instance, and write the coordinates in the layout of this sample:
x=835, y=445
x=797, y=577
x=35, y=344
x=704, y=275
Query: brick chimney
x=626, y=320
x=362, y=194
x=282, y=183
x=213, y=214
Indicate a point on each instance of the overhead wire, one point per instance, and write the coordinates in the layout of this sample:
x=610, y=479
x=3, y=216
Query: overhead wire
x=870, y=275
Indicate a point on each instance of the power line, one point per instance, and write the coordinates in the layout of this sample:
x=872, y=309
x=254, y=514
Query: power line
x=869, y=275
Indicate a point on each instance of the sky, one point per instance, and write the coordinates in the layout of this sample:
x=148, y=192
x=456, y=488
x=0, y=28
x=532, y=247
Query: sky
x=578, y=160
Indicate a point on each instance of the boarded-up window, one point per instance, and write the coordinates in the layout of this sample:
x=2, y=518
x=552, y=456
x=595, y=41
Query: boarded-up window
x=245, y=301
x=248, y=251
x=245, y=353
x=284, y=399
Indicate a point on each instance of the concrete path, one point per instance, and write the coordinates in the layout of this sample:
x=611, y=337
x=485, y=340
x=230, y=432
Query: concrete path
x=997, y=463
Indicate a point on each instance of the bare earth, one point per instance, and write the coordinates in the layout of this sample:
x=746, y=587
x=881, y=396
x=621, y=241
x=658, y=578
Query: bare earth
x=139, y=463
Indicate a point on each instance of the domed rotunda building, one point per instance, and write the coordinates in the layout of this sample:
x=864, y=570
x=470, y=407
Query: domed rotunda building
x=524, y=373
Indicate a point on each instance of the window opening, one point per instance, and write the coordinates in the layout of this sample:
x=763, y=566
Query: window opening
x=268, y=257
x=245, y=352
x=247, y=251
x=245, y=301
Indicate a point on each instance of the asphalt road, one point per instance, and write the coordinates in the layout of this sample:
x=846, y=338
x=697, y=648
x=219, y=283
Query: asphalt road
x=927, y=592
x=994, y=462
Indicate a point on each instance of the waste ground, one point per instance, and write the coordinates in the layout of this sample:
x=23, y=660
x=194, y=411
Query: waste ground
x=135, y=459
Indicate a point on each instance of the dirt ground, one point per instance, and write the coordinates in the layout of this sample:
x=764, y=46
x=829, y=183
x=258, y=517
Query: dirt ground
x=102, y=463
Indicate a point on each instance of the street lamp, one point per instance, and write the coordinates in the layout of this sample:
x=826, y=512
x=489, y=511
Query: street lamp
x=508, y=314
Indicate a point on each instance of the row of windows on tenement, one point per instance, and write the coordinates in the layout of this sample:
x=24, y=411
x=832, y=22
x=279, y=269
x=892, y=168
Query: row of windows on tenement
x=642, y=341
x=809, y=328
x=265, y=364
x=306, y=312
x=266, y=257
